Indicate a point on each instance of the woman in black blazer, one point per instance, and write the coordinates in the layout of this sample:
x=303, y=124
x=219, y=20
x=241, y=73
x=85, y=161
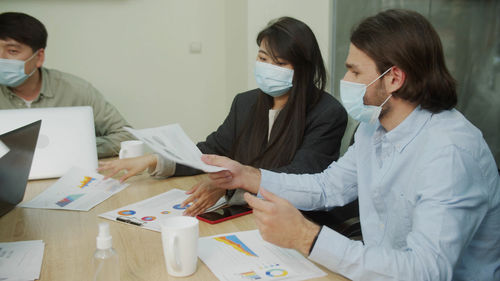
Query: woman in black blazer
x=307, y=124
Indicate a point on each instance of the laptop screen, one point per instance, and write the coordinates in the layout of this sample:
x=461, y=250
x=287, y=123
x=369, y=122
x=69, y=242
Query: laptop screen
x=66, y=139
x=15, y=165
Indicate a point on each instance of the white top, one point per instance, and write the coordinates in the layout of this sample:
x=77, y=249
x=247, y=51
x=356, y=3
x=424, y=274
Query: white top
x=28, y=102
x=273, y=113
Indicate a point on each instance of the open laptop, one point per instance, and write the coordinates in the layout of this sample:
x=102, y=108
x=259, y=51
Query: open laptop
x=66, y=139
x=16, y=163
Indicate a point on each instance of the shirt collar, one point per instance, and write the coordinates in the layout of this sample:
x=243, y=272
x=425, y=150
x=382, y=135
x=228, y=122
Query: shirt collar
x=405, y=132
x=45, y=90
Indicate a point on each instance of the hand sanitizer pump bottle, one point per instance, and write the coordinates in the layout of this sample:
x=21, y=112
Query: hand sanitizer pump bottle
x=105, y=261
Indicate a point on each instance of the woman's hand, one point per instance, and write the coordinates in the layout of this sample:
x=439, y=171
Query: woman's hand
x=203, y=196
x=132, y=166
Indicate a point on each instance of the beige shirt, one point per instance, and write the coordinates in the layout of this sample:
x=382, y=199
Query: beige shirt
x=63, y=89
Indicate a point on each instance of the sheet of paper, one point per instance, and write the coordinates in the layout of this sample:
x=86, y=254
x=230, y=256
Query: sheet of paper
x=246, y=256
x=148, y=213
x=3, y=149
x=78, y=190
x=21, y=260
x=172, y=143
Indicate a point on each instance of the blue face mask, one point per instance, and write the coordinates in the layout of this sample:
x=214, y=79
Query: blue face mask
x=12, y=71
x=273, y=80
x=352, y=95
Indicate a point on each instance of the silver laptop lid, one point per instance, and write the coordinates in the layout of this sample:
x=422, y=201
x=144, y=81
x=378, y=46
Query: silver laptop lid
x=66, y=139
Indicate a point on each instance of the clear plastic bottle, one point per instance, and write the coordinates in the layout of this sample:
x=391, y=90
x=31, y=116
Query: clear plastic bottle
x=105, y=261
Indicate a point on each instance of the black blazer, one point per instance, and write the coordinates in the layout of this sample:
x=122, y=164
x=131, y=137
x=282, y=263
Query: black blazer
x=325, y=126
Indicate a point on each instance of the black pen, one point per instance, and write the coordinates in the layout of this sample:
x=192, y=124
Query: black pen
x=128, y=221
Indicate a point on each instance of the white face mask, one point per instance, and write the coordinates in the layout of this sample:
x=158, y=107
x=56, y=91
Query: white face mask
x=272, y=79
x=12, y=71
x=352, y=94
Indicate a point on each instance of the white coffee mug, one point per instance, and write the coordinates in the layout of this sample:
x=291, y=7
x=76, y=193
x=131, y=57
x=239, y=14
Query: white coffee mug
x=131, y=148
x=179, y=237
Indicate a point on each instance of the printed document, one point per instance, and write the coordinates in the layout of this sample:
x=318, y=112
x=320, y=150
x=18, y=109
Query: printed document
x=21, y=260
x=172, y=143
x=78, y=190
x=148, y=213
x=246, y=256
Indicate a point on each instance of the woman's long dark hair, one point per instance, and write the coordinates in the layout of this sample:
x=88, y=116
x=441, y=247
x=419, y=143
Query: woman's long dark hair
x=291, y=40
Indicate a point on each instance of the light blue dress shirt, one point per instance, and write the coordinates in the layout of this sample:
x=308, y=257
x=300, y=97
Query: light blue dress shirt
x=429, y=200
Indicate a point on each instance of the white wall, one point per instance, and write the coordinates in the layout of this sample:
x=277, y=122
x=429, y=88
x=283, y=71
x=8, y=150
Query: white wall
x=136, y=52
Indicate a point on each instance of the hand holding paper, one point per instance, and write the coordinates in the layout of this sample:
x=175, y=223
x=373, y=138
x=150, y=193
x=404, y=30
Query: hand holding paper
x=172, y=143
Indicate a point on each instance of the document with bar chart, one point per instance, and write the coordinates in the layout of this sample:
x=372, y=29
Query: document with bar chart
x=246, y=256
x=78, y=190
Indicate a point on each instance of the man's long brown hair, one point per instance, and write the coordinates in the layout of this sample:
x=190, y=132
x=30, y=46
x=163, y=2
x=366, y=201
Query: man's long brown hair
x=406, y=39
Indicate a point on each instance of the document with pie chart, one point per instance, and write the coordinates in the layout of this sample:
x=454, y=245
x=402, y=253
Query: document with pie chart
x=246, y=256
x=149, y=212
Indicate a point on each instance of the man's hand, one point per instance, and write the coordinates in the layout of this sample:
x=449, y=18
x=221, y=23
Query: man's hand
x=236, y=175
x=203, y=196
x=280, y=223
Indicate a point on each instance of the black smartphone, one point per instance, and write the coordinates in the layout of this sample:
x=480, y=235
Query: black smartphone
x=224, y=213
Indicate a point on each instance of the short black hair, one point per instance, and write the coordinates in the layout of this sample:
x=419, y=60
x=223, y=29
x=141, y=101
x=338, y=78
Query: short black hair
x=24, y=29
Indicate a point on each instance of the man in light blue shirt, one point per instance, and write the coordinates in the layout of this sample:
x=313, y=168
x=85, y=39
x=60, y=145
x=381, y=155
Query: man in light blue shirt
x=427, y=183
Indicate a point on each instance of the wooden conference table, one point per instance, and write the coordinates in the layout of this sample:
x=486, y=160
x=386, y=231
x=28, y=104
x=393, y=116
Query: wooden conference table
x=70, y=242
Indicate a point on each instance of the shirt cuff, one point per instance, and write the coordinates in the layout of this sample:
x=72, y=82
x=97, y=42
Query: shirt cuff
x=164, y=168
x=314, y=241
x=267, y=180
x=330, y=248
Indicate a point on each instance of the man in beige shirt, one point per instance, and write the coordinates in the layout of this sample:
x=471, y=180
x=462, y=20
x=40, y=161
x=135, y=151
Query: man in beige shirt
x=24, y=83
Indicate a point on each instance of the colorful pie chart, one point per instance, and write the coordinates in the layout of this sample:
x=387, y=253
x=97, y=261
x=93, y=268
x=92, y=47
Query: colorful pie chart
x=276, y=272
x=148, y=218
x=126, y=212
x=178, y=207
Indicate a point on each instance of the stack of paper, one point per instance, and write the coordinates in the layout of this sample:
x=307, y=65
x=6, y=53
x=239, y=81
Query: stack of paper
x=246, y=256
x=77, y=190
x=21, y=260
x=172, y=143
x=148, y=213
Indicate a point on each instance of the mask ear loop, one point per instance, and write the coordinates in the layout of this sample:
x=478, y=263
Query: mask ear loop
x=379, y=108
x=34, y=54
x=29, y=60
x=390, y=95
x=385, y=72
